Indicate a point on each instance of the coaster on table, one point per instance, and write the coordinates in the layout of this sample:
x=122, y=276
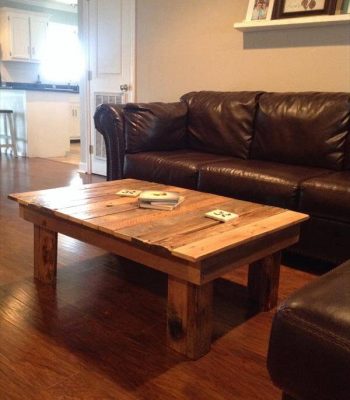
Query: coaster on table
x=129, y=193
x=221, y=215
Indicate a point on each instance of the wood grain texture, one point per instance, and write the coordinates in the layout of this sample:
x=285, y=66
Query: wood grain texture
x=189, y=313
x=263, y=281
x=149, y=236
x=218, y=265
x=249, y=214
x=99, y=334
x=162, y=262
x=119, y=226
x=184, y=232
x=235, y=237
x=45, y=254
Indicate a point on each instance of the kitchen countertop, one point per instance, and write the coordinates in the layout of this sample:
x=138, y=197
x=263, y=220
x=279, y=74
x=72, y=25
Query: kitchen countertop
x=40, y=87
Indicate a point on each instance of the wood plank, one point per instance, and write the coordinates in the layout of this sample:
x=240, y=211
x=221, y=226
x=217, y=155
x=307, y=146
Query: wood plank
x=252, y=214
x=108, y=210
x=141, y=216
x=89, y=197
x=67, y=193
x=170, y=229
x=99, y=208
x=186, y=221
x=181, y=269
x=220, y=264
x=202, y=204
x=63, y=197
x=45, y=254
x=82, y=202
x=263, y=281
x=49, y=193
x=209, y=246
x=185, y=224
x=189, y=317
x=29, y=194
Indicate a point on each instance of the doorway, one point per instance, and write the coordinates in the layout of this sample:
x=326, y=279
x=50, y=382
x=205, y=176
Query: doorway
x=107, y=31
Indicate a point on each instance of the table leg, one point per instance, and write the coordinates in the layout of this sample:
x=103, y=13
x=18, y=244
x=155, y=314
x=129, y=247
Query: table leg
x=189, y=327
x=45, y=254
x=263, y=280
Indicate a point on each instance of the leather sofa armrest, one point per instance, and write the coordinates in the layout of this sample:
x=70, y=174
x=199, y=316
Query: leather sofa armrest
x=155, y=126
x=109, y=121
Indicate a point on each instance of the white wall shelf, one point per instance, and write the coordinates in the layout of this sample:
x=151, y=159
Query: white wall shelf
x=292, y=23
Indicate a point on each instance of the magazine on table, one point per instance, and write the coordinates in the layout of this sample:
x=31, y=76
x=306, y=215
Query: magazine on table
x=161, y=200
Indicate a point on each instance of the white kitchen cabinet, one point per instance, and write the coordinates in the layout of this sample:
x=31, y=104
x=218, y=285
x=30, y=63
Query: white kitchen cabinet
x=75, y=122
x=22, y=35
x=49, y=123
x=38, y=35
x=19, y=38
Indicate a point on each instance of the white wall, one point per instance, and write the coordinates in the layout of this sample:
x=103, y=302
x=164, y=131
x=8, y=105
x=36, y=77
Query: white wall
x=187, y=45
x=19, y=71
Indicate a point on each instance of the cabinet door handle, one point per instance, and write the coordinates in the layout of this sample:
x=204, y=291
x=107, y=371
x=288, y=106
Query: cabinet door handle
x=33, y=50
x=28, y=50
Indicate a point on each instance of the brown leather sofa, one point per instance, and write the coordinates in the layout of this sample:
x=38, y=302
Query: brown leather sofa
x=286, y=149
x=309, y=350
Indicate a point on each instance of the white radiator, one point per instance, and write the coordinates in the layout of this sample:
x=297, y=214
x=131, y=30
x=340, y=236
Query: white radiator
x=104, y=98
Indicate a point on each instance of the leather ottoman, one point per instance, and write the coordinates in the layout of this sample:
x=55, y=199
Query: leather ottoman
x=309, y=351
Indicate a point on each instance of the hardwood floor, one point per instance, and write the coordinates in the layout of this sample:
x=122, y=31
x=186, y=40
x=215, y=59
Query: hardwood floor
x=72, y=157
x=100, y=333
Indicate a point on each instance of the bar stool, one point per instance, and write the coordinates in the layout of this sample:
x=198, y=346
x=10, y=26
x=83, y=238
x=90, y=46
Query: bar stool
x=9, y=130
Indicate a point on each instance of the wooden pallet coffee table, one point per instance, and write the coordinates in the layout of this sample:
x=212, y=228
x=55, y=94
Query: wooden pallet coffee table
x=192, y=249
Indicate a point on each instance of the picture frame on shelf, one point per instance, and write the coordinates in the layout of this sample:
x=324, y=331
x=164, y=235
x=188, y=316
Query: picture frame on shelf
x=303, y=8
x=259, y=10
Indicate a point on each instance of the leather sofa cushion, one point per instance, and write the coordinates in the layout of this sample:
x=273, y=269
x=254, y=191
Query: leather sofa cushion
x=221, y=122
x=257, y=181
x=179, y=168
x=155, y=126
x=327, y=196
x=306, y=128
x=309, y=352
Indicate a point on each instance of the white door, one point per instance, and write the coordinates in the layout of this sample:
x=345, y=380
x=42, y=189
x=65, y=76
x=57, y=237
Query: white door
x=38, y=35
x=20, y=40
x=111, y=58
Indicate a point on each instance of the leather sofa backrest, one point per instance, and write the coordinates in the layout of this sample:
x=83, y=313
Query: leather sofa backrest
x=155, y=126
x=307, y=128
x=221, y=122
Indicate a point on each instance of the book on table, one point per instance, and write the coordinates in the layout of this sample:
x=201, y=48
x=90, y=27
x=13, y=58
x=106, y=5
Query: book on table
x=160, y=200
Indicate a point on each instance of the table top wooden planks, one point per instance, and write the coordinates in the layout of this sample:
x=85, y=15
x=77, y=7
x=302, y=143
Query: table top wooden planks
x=183, y=233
